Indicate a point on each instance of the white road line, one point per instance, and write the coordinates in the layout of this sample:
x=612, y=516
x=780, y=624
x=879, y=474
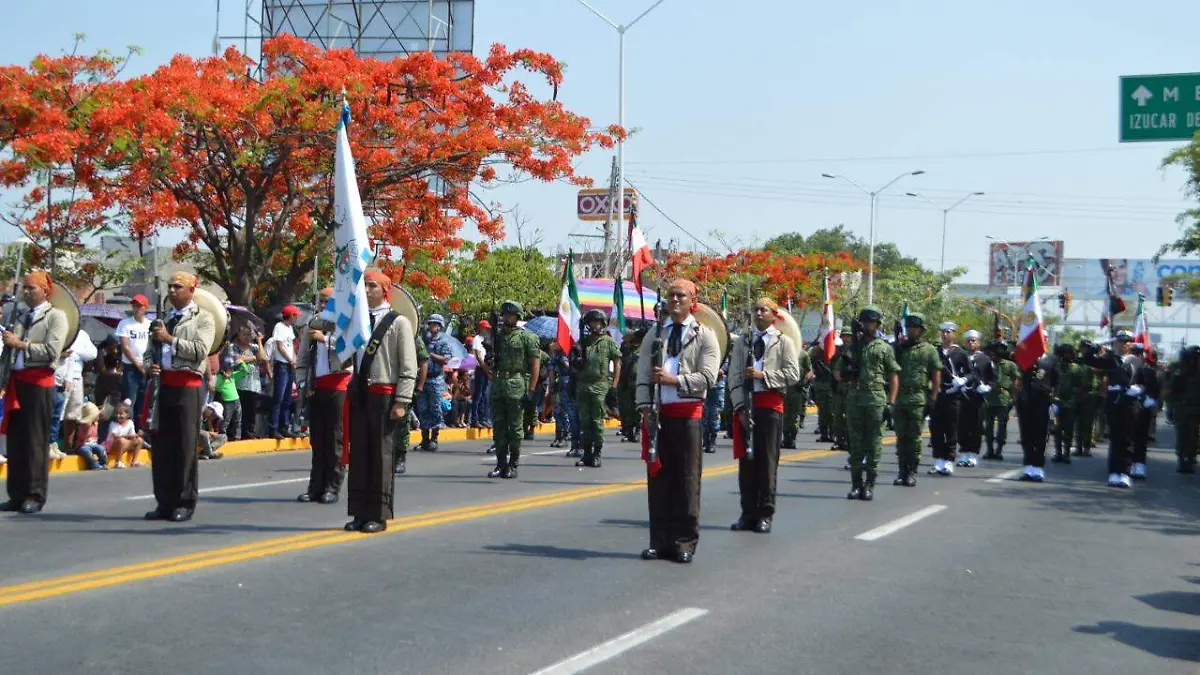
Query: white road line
x=226, y=488
x=617, y=646
x=901, y=523
x=1007, y=475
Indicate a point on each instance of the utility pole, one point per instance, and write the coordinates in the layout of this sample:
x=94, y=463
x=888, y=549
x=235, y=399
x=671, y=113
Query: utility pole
x=611, y=251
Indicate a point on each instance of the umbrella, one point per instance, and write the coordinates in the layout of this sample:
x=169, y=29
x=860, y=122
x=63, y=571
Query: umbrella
x=457, y=350
x=240, y=316
x=545, y=327
x=598, y=294
x=103, y=311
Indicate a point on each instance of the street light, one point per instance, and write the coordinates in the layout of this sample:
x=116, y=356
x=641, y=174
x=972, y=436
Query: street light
x=620, y=28
x=871, y=244
x=945, y=216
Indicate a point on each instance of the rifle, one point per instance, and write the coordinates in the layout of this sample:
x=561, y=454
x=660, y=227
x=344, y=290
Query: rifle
x=10, y=323
x=150, y=404
x=304, y=414
x=657, y=355
x=748, y=393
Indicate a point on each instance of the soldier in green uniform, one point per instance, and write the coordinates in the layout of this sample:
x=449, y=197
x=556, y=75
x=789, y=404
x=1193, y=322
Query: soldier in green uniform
x=1069, y=393
x=999, y=401
x=533, y=407
x=840, y=391
x=1183, y=390
x=822, y=391
x=920, y=383
x=795, y=400
x=515, y=366
x=871, y=375
x=403, y=436
x=591, y=360
x=1094, y=385
x=627, y=385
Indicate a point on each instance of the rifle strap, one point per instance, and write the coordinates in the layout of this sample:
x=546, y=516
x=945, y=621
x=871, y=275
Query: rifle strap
x=362, y=374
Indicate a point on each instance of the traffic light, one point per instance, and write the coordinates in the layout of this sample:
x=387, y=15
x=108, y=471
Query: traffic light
x=1062, y=301
x=1168, y=295
x=1158, y=296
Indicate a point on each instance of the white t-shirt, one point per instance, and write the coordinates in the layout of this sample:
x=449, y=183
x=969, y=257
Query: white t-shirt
x=138, y=333
x=118, y=430
x=478, y=349
x=284, y=338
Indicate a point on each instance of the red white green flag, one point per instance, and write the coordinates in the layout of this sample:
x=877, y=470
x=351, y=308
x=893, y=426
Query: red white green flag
x=1141, y=330
x=1031, y=340
x=827, y=336
x=568, y=307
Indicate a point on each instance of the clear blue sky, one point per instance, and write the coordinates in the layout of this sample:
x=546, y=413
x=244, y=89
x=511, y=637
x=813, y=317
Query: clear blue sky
x=741, y=110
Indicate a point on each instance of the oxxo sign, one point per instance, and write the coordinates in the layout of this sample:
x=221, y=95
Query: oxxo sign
x=593, y=203
x=1160, y=107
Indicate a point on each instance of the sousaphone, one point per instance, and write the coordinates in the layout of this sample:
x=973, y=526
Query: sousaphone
x=787, y=326
x=209, y=304
x=63, y=299
x=709, y=318
x=402, y=301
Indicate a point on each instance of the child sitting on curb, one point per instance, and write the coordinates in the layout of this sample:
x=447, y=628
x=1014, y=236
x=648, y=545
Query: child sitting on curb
x=211, y=436
x=85, y=438
x=123, y=437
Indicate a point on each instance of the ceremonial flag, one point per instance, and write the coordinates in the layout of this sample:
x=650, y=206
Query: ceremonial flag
x=902, y=333
x=725, y=306
x=1031, y=342
x=568, y=307
x=617, y=320
x=1114, y=305
x=827, y=335
x=1141, y=331
x=643, y=257
x=347, y=308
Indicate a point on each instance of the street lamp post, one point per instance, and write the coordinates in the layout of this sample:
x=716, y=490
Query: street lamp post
x=621, y=29
x=873, y=194
x=945, y=217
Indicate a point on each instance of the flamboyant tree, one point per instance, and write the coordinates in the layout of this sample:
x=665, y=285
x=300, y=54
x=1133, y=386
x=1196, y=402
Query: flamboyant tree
x=244, y=166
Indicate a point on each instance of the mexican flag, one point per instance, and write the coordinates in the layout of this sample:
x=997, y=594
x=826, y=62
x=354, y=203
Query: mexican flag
x=568, y=307
x=617, y=320
x=640, y=252
x=1031, y=341
x=1141, y=330
x=827, y=336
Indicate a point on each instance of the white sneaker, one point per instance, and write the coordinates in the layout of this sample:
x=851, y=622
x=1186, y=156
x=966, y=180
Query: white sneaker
x=972, y=459
x=1039, y=474
x=1125, y=482
x=1139, y=471
x=3, y=459
x=938, y=465
x=1029, y=472
x=948, y=469
x=1114, y=480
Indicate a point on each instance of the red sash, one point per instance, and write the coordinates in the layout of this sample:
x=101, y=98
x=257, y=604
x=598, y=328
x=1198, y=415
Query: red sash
x=683, y=410
x=384, y=389
x=38, y=377
x=180, y=378
x=333, y=382
x=763, y=400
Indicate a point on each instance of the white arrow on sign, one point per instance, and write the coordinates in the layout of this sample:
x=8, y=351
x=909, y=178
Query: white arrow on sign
x=1141, y=95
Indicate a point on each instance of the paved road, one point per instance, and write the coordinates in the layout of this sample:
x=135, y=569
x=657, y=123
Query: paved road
x=482, y=576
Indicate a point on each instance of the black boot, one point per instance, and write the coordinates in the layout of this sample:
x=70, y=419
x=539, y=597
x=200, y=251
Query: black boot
x=596, y=454
x=575, y=450
x=911, y=479
x=904, y=470
x=587, y=456
x=1187, y=466
x=433, y=440
x=789, y=443
x=856, y=485
x=1058, y=457
x=424, y=440
x=868, y=491
x=511, y=470
x=558, y=438
x=999, y=453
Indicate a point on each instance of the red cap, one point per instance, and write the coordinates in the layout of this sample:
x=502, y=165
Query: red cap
x=290, y=311
x=140, y=299
x=483, y=323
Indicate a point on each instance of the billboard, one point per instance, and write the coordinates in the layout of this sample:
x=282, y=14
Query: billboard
x=1007, y=262
x=1085, y=276
x=593, y=203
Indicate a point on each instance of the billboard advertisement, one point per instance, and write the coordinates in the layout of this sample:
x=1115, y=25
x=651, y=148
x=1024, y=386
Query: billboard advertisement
x=593, y=203
x=1085, y=276
x=1007, y=261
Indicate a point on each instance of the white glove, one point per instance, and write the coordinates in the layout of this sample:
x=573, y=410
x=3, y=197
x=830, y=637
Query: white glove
x=958, y=382
x=1134, y=390
x=1054, y=410
x=983, y=389
x=1150, y=404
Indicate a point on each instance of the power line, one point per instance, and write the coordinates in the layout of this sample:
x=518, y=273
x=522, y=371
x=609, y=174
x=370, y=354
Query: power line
x=642, y=195
x=891, y=158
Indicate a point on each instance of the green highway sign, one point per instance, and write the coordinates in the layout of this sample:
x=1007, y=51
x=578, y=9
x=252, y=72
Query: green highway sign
x=1160, y=107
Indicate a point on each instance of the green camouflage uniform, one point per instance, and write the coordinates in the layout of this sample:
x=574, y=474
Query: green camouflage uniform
x=592, y=385
x=1183, y=389
x=1070, y=386
x=822, y=390
x=403, y=437
x=1089, y=410
x=794, y=402
x=838, y=399
x=514, y=352
x=917, y=363
x=998, y=402
x=627, y=390
x=866, y=399
x=531, y=408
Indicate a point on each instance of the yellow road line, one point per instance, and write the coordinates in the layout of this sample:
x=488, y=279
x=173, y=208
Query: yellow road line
x=65, y=585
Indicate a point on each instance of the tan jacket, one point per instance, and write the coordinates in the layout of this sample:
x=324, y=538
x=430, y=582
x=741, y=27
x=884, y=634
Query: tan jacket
x=781, y=366
x=302, y=364
x=699, y=363
x=396, y=361
x=193, y=335
x=47, y=338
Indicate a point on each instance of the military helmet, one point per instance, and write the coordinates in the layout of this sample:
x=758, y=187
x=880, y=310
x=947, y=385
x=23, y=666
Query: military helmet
x=594, y=315
x=847, y=331
x=512, y=307
x=436, y=318
x=1124, y=335
x=915, y=319
x=870, y=313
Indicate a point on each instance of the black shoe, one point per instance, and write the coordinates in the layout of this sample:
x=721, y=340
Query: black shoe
x=372, y=526
x=899, y=482
x=10, y=506
x=328, y=498
x=683, y=557
x=911, y=479
x=1058, y=458
x=650, y=554
x=529, y=435
x=433, y=441
x=868, y=493
x=763, y=526
x=491, y=450
x=30, y=507
x=497, y=472
x=855, y=492
x=304, y=498
x=354, y=525
x=1186, y=467
x=509, y=472
x=400, y=468
x=742, y=524
x=181, y=515
x=710, y=449
x=586, y=461
x=156, y=514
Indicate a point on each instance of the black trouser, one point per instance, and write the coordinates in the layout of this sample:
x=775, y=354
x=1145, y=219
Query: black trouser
x=1142, y=419
x=674, y=494
x=943, y=426
x=970, y=424
x=372, y=483
x=249, y=410
x=325, y=424
x=29, y=443
x=1033, y=417
x=173, y=462
x=1120, y=429
x=756, y=477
